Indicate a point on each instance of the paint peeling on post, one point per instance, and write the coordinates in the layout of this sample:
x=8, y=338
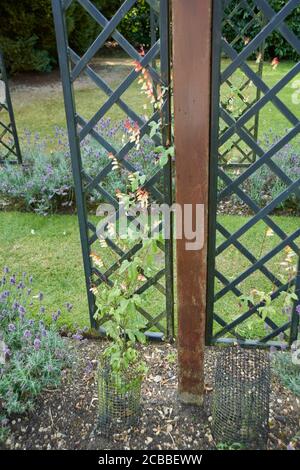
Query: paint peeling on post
x=192, y=22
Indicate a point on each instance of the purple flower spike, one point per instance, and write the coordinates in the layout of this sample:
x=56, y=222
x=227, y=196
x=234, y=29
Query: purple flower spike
x=37, y=344
x=298, y=309
x=287, y=310
x=6, y=351
x=22, y=311
x=77, y=336
x=41, y=296
x=27, y=334
x=11, y=327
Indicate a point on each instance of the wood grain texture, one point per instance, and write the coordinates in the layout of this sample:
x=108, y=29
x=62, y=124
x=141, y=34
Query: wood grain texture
x=192, y=24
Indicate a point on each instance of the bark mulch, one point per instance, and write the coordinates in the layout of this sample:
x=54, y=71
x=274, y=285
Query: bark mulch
x=66, y=418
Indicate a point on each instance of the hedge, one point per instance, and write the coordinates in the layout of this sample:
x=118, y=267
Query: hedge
x=28, y=40
x=27, y=32
x=275, y=44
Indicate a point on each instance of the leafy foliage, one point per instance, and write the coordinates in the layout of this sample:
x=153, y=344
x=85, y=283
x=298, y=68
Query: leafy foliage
x=45, y=185
x=275, y=45
x=288, y=372
x=119, y=304
x=264, y=186
x=27, y=35
x=32, y=353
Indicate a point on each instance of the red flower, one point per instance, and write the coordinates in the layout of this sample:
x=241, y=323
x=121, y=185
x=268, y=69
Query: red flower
x=275, y=63
x=137, y=65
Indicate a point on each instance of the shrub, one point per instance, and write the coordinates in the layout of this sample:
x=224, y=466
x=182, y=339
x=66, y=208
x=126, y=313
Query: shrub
x=264, y=186
x=27, y=35
x=288, y=372
x=32, y=354
x=45, y=184
x=275, y=44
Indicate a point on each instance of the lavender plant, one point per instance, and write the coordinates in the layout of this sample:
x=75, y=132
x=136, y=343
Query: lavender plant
x=263, y=186
x=45, y=183
x=32, y=353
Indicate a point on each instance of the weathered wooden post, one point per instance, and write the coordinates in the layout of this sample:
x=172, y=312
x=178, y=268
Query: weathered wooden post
x=192, y=24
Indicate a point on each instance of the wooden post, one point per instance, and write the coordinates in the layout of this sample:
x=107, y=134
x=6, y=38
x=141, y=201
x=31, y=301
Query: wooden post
x=192, y=25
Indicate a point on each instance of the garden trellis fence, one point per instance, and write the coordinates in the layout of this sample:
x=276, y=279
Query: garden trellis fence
x=9, y=142
x=159, y=184
x=241, y=95
x=227, y=286
x=238, y=152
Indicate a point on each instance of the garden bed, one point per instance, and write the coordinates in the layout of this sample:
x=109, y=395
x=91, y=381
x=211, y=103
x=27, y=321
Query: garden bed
x=66, y=418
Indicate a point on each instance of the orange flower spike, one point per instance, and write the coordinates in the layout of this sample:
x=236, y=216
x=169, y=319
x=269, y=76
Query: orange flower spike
x=138, y=66
x=275, y=63
x=127, y=124
x=118, y=193
x=97, y=260
x=143, y=197
x=149, y=84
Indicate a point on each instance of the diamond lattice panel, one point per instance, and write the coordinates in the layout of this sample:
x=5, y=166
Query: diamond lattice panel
x=9, y=143
x=256, y=251
x=102, y=125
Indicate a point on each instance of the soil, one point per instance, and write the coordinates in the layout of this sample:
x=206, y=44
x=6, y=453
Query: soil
x=66, y=418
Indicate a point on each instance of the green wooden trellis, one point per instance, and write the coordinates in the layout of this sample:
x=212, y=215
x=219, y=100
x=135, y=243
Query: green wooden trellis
x=72, y=66
x=9, y=142
x=223, y=238
x=227, y=127
x=234, y=155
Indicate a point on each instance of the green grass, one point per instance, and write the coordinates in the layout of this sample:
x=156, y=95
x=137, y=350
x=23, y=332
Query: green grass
x=40, y=109
x=270, y=116
x=231, y=263
x=52, y=254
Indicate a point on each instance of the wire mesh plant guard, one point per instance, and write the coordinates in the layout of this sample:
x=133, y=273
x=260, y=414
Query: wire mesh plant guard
x=241, y=398
x=119, y=398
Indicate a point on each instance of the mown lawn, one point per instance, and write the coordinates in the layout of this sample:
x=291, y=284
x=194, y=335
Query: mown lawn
x=49, y=249
x=41, y=108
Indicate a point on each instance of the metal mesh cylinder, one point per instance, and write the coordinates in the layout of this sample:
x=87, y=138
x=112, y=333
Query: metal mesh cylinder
x=241, y=396
x=119, y=400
